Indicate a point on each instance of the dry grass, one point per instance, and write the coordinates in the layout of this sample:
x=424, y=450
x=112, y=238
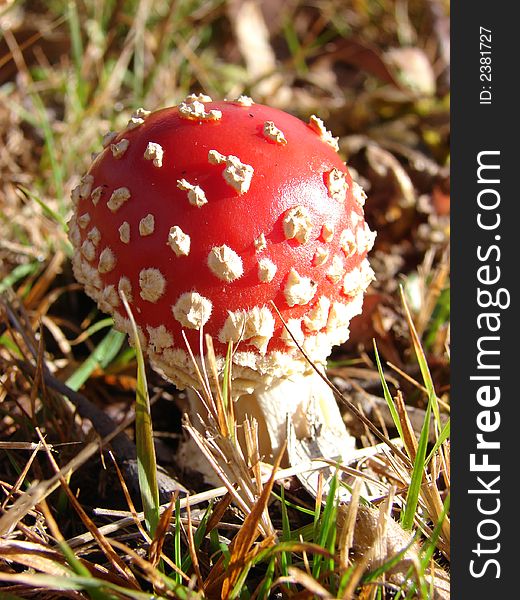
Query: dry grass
x=70, y=520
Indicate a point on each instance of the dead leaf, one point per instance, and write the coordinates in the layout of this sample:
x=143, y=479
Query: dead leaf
x=441, y=201
x=412, y=68
x=252, y=36
x=366, y=535
x=160, y=535
x=386, y=166
x=362, y=55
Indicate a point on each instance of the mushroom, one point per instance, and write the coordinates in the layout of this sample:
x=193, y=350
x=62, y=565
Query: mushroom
x=241, y=221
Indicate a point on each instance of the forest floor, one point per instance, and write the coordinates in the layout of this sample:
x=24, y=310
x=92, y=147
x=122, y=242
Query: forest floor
x=377, y=73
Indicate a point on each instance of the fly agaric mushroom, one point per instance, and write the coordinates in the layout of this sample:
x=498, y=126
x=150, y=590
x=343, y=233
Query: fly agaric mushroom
x=206, y=215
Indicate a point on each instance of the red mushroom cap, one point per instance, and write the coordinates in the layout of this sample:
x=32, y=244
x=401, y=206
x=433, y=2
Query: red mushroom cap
x=206, y=213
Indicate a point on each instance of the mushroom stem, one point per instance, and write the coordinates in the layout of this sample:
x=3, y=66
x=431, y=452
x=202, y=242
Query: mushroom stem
x=300, y=409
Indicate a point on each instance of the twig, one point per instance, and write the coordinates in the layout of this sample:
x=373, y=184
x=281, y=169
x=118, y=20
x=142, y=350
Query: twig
x=124, y=448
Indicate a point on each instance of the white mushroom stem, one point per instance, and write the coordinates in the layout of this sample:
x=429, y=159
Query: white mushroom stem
x=300, y=410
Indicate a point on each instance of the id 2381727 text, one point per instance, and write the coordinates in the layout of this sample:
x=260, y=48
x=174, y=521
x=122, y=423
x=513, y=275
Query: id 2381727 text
x=485, y=65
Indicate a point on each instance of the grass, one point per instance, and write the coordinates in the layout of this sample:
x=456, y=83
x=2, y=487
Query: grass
x=92, y=501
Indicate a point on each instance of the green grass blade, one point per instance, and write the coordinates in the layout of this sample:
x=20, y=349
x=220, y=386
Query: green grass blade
x=421, y=359
x=429, y=548
x=267, y=582
x=295, y=48
x=240, y=590
x=285, y=557
x=198, y=538
x=82, y=571
x=8, y=343
x=302, y=509
x=316, y=522
x=177, y=543
x=101, y=356
x=218, y=548
x=443, y=436
x=17, y=274
x=98, y=326
x=77, y=50
x=146, y=460
x=440, y=317
x=391, y=562
x=388, y=396
x=52, y=214
x=414, y=491
x=344, y=581
x=50, y=147
x=328, y=526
